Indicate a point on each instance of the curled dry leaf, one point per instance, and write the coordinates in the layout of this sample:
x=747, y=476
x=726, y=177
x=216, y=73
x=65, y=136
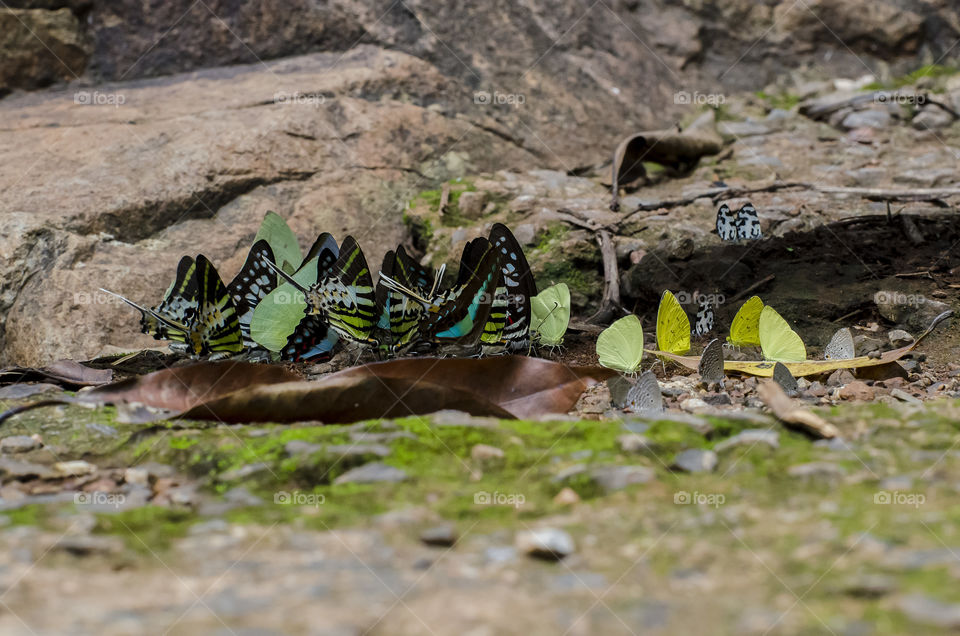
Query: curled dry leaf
x=792, y=413
x=66, y=373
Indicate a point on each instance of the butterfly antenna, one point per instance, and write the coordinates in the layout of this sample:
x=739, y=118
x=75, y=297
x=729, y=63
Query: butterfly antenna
x=395, y=286
x=285, y=276
x=166, y=321
x=436, y=279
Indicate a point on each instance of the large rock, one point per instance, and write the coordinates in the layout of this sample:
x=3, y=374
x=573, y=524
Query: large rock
x=112, y=196
x=39, y=47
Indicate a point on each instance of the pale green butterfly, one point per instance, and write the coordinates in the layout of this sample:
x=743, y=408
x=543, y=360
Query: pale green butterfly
x=620, y=346
x=550, y=311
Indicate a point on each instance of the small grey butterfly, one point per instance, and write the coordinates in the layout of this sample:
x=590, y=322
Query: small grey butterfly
x=644, y=397
x=619, y=388
x=711, y=363
x=783, y=377
x=704, y=324
x=748, y=223
x=726, y=224
x=840, y=346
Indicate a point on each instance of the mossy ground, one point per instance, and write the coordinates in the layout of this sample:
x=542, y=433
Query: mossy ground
x=755, y=518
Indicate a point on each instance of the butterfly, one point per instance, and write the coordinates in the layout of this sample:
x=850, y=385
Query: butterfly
x=644, y=397
x=711, y=363
x=783, y=377
x=399, y=315
x=745, y=329
x=778, y=341
x=345, y=297
x=673, y=326
x=620, y=346
x=726, y=224
x=312, y=340
x=748, y=223
x=254, y=281
x=197, y=313
x=455, y=318
x=841, y=346
x=519, y=285
x=704, y=324
x=550, y=314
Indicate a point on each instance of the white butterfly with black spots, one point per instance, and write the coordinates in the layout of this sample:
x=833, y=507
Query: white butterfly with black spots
x=704, y=324
x=748, y=223
x=726, y=224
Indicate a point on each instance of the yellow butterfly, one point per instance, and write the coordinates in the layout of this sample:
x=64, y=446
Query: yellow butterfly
x=673, y=326
x=777, y=340
x=745, y=330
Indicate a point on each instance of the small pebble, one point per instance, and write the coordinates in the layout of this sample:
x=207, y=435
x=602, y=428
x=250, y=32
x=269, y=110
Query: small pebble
x=551, y=544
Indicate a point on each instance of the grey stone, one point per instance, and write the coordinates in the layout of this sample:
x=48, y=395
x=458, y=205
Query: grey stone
x=372, y=473
x=903, y=396
x=871, y=118
x=696, y=460
x=483, y=452
x=245, y=471
x=471, y=204
x=525, y=234
x=613, y=478
x=870, y=586
x=635, y=443
x=927, y=611
x=746, y=128
x=551, y=544
x=18, y=444
x=86, y=545
x=750, y=437
x=816, y=470
x=20, y=391
x=913, y=310
x=444, y=536
x=899, y=337
x=16, y=468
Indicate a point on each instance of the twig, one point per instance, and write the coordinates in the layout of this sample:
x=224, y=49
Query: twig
x=749, y=289
x=925, y=274
x=952, y=112
x=610, y=304
x=850, y=315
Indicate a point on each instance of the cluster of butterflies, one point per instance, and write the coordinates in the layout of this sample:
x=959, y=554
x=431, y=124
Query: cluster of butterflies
x=621, y=346
x=742, y=225
x=301, y=308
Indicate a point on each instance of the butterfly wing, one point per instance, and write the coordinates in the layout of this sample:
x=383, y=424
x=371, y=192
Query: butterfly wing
x=711, y=363
x=748, y=223
x=704, y=324
x=179, y=306
x=550, y=314
x=841, y=346
x=254, y=281
x=726, y=224
x=745, y=329
x=673, y=326
x=783, y=377
x=520, y=287
x=325, y=250
x=412, y=274
x=778, y=341
x=645, y=396
x=312, y=340
x=217, y=328
x=620, y=346
x=347, y=296
x=462, y=317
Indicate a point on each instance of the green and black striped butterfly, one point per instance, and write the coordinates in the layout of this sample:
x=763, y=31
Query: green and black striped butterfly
x=345, y=297
x=455, y=319
x=254, y=281
x=399, y=315
x=197, y=313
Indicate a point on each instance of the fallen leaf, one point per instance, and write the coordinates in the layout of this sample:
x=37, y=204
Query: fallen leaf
x=67, y=373
x=792, y=413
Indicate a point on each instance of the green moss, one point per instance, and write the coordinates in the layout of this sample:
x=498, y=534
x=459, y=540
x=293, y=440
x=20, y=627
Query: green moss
x=147, y=529
x=933, y=71
x=786, y=101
